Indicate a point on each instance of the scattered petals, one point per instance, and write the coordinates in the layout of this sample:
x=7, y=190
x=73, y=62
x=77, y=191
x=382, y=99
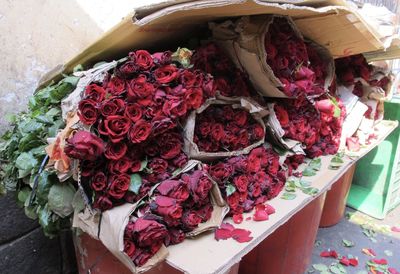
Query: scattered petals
x=345, y=261
x=382, y=261
x=329, y=253
x=369, y=252
x=395, y=229
x=393, y=270
x=241, y=235
x=260, y=215
x=237, y=218
x=353, y=261
x=226, y=231
x=269, y=209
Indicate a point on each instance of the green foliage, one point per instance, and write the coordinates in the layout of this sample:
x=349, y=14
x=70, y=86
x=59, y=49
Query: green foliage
x=22, y=151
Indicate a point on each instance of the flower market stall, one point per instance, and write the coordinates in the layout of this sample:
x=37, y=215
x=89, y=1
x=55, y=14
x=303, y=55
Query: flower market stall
x=193, y=130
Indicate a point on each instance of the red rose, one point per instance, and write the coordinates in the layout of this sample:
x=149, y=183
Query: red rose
x=190, y=220
x=170, y=145
x=162, y=57
x=176, y=236
x=205, y=212
x=194, y=98
x=166, y=74
x=208, y=87
x=174, y=189
x=119, y=185
x=95, y=92
x=217, y=132
x=134, y=112
x=222, y=86
x=140, y=88
x=158, y=166
x=139, y=132
x=166, y=207
x=204, y=128
x=161, y=124
x=99, y=181
x=238, y=163
x=257, y=131
x=127, y=69
x=143, y=59
x=116, y=86
x=87, y=111
x=240, y=117
x=103, y=203
x=141, y=256
x=149, y=232
x=254, y=190
x=180, y=160
x=221, y=171
x=120, y=166
x=129, y=248
x=257, y=159
x=281, y=115
x=241, y=182
x=199, y=185
x=136, y=166
x=87, y=168
x=233, y=202
x=84, y=146
x=115, y=151
x=174, y=107
x=116, y=127
x=112, y=106
x=188, y=78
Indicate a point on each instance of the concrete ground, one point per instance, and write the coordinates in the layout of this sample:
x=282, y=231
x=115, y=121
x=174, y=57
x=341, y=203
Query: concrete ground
x=36, y=36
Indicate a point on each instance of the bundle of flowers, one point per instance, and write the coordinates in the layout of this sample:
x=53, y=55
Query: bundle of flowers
x=280, y=63
x=249, y=180
x=316, y=125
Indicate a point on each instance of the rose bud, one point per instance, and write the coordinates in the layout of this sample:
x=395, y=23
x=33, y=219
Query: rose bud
x=112, y=106
x=325, y=106
x=139, y=132
x=87, y=111
x=84, y=145
x=162, y=58
x=143, y=60
x=116, y=86
x=116, y=127
x=166, y=74
x=95, y=92
x=119, y=185
x=99, y=181
x=103, y=203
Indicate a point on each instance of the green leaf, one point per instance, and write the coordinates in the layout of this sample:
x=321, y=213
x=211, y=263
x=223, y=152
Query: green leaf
x=78, y=202
x=310, y=190
x=31, y=212
x=320, y=267
x=337, y=159
x=136, y=182
x=317, y=243
x=45, y=181
x=25, y=163
x=176, y=172
x=288, y=196
x=347, y=243
x=3, y=189
x=48, y=221
x=23, y=194
x=78, y=68
x=73, y=80
x=143, y=165
x=29, y=125
x=308, y=171
x=315, y=164
x=60, y=199
x=230, y=189
x=290, y=186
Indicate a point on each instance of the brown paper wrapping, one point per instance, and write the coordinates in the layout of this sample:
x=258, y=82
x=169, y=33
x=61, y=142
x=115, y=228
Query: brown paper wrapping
x=190, y=147
x=243, y=41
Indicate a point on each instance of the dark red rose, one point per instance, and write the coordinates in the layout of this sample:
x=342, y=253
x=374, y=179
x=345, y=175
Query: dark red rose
x=194, y=98
x=257, y=131
x=141, y=256
x=162, y=58
x=221, y=171
x=87, y=111
x=139, y=132
x=208, y=87
x=176, y=236
x=217, y=132
x=143, y=59
x=129, y=248
x=190, y=220
x=116, y=127
x=99, y=181
x=205, y=212
x=238, y=163
x=140, y=88
x=241, y=182
x=112, y=106
x=95, y=92
x=158, y=166
x=103, y=203
x=174, y=189
x=161, y=124
x=233, y=202
x=240, y=117
x=120, y=166
x=222, y=86
x=128, y=69
x=84, y=146
x=188, y=78
x=136, y=166
x=119, y=185
x=115, y=151
x=166, y=207
x=174, y=107
x=180, y=160
x=88, y=168
x=257, y=159
x=116, y=86
x=134, y=112
x=166, y=74
x=199, y=185
x=170, y=145
x=281, y=115
x=149, y=232
x=204, y=128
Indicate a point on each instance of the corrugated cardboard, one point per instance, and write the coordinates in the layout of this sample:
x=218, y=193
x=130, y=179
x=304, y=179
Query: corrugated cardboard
x=338, y=28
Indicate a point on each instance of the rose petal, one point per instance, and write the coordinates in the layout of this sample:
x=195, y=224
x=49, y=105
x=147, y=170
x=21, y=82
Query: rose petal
x=369, y=252
x=382, y=261
x=259, y=207
x=260, y=215
x=241, y=235
x=334, y=254
x=325, y=254
x=227, y=226
x=393, y=270
x=222, y=234
x=344, y=261
x=395, y=229
x=353, y=261
x=269, y=209
x=237, y=218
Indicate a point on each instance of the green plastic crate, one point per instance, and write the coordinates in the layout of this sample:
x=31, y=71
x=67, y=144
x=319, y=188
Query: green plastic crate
x=375, y=189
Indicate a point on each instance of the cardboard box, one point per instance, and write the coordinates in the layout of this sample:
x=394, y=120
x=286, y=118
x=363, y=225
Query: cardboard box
x=338, y=28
